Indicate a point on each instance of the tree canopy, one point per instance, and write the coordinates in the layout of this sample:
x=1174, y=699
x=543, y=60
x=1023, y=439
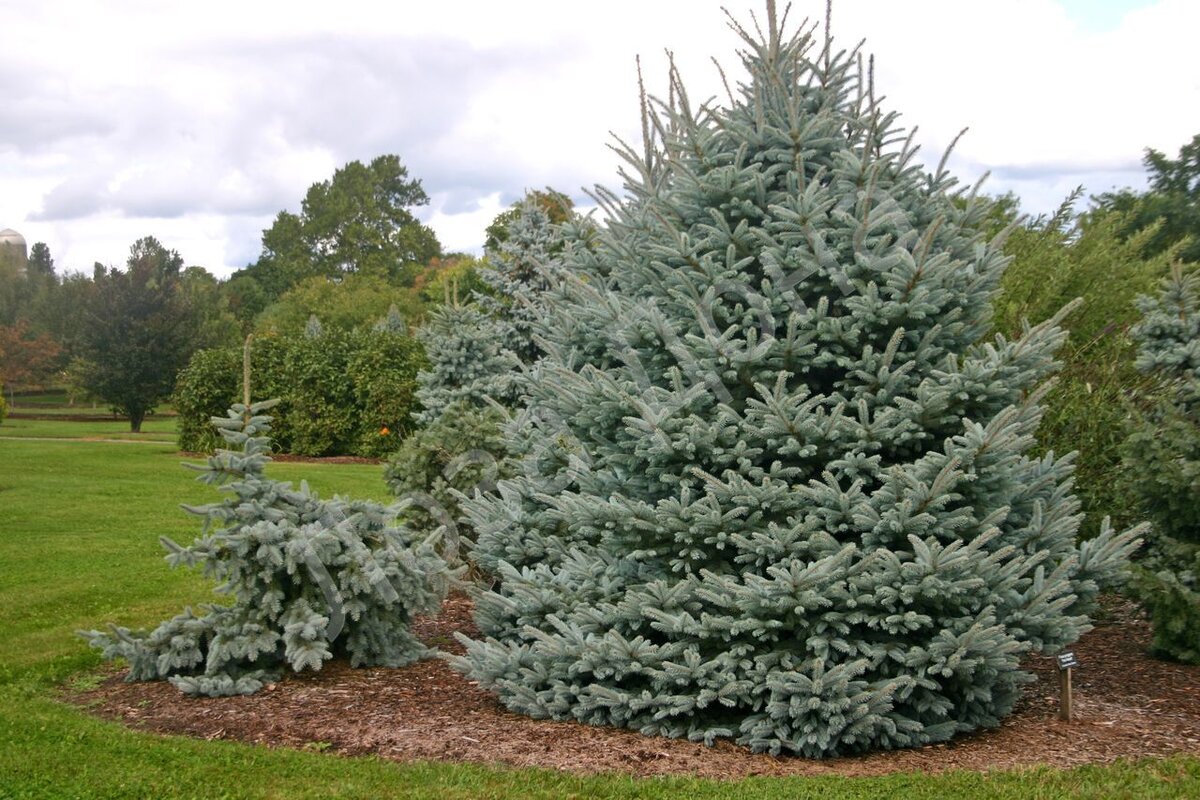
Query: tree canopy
x=138, y=331
x=355, y=301
x=26, y=358
x=557, y=206
x=1172, y=202
x=359, y=221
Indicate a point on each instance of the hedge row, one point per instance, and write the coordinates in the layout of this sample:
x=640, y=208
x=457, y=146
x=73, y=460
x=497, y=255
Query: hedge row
x=341, y=392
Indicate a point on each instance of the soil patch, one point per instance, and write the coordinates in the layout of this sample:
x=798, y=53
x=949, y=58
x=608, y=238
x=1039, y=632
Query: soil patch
x=1128, y=705
x=288, y=458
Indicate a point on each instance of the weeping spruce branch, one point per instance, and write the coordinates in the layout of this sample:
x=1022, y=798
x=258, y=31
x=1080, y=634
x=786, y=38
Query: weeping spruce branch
x=776, y=484
x=310, y=579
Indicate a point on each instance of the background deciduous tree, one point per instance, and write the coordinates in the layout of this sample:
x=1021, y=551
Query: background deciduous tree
x=26, y=358
x=1172, y=202
x=352, y=302
x=359, y=221
x=138, y=331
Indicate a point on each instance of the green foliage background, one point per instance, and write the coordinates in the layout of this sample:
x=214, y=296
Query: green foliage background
x=1055, y=261
x=350, y=302
x=342, y=393
x=460, y=450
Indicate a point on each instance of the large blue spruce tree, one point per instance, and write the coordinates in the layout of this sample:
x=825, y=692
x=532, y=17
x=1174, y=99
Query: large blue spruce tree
x=775, y=481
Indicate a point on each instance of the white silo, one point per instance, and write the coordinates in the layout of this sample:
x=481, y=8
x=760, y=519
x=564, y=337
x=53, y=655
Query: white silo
x=12, y=245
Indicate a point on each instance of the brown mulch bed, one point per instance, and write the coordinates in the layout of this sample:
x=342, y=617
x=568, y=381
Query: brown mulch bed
x=288, y=458
x=1127, y=705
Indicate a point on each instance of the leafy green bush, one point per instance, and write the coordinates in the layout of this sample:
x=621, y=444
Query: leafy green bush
x=383, y=370
x=1163, y=465
x=319, y=410
x=1055, y=261
x=342, y=392
x=311, y=579
x=207, y=384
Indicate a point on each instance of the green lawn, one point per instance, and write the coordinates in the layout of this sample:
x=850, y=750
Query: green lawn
x=54, y=401
x=79, y=528
x=155, y=429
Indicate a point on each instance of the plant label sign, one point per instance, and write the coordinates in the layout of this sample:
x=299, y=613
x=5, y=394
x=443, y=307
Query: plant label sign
x=1066, y=662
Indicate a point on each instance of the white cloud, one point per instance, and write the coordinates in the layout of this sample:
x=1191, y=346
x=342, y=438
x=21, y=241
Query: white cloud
x=198, y=123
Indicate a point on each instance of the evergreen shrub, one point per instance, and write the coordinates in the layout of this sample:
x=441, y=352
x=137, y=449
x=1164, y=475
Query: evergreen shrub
x=468, y=361
x=775, y=479
x=475, y=353
x=1163, y=465
x=310, y=580
x=461, y=451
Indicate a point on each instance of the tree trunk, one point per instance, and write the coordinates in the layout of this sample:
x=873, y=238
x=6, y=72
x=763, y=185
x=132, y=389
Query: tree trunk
x=135, y=421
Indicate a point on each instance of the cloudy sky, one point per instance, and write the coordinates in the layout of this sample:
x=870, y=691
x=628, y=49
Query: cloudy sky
x=198, y=122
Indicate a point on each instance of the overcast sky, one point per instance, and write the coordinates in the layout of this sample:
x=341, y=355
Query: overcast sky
x=198, y=122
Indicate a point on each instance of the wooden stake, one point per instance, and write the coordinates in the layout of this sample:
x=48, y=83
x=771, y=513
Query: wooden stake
x=246, y=375
x=1066, y=707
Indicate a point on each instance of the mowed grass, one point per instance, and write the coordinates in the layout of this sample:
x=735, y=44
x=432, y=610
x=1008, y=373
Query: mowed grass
x=56, y=401
x=155, y=429
x=79, y=528
x=79, y=539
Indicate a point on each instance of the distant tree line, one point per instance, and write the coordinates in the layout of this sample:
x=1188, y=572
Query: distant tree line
x=354, y=254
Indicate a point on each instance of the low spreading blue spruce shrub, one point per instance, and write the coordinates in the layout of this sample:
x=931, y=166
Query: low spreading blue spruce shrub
x=774, y=480
x=310, y=580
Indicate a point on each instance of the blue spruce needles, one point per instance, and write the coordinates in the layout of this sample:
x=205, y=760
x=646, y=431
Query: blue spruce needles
x=310, y=579
x=775, y=483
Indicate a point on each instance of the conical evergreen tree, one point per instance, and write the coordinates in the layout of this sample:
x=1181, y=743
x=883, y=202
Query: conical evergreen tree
x=1162, y=458
x=475, y=352
x=475, y=348
x=520, y=270
x=775, y=485
x=392, y=322
x=458, y=446
x=468, y=361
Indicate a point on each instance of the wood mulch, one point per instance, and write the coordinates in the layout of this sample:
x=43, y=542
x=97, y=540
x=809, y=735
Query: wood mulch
x=1128, y=705
x=288, y=458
